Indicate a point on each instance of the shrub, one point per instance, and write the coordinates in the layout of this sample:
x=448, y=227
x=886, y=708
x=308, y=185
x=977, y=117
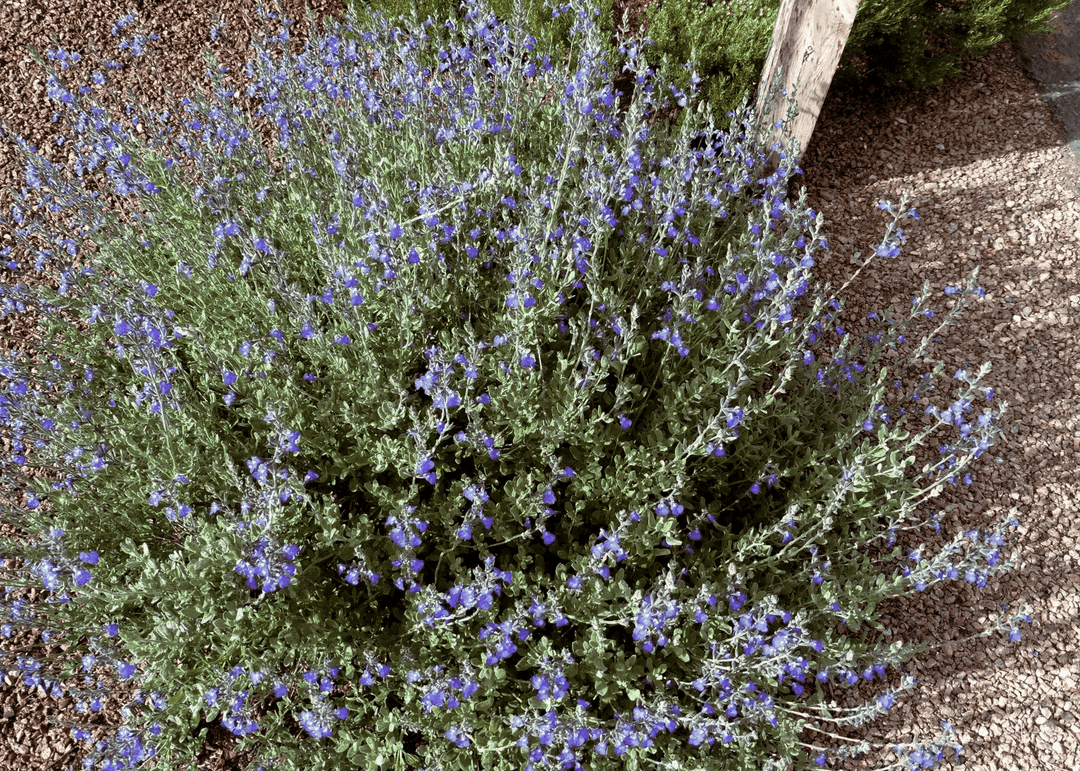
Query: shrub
x=918, y=42
x=729, y=42
x=551, y=33
x=915, y=42
x=482, y=435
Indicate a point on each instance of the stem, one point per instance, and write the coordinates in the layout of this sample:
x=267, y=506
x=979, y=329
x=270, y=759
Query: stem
x=562, y=175
x=813, y=748
x=157, y=368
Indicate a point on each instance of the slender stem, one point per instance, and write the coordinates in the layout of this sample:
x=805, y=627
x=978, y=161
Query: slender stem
x=562, y=176
x=155, y=368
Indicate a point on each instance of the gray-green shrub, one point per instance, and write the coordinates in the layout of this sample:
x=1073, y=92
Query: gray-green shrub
x=482, y=435
x=915, y=42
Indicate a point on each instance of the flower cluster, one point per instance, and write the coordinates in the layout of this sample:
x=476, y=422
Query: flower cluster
x=520, y=416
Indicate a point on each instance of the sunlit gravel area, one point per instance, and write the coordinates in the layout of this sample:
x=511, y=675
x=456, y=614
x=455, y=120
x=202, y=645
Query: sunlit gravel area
x=995, y=187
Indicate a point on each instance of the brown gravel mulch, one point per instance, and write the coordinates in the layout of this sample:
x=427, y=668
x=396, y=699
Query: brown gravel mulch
x=995, y=186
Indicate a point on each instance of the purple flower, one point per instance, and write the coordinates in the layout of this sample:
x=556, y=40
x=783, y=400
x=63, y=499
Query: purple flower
x=366, y=440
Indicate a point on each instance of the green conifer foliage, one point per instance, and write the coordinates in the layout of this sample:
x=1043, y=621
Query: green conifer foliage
x=918, y=42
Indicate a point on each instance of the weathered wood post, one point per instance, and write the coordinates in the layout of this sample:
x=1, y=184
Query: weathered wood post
x=808, y=41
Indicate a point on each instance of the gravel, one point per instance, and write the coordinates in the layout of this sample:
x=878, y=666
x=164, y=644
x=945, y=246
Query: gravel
x=995, y=186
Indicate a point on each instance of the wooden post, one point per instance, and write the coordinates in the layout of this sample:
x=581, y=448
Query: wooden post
x=808, y=41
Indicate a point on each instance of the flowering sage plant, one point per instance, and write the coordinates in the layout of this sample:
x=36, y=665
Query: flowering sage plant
x=485, y=432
